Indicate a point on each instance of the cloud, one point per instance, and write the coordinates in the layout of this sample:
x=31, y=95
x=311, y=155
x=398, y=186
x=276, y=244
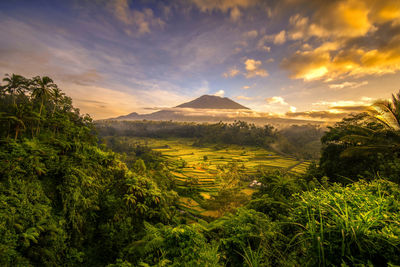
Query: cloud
x=220, y=93
x=277, y=39
x=347, y=85
x=203, y=89
x=231, y=73
x=292, y=109
x=364, y=101
x=335, y=110
x=280, y=38
x=223, y=5
x=350, y=108
x=101, y=102
x=307, y=65
x=265, y=48
x=251, y=34
x=246, y=87
x=253, y=68
x=317, y=114
x=345, y=18
x=298, y=27
x=89, y=77
x=241, y=97
x=347, y=38
x=276, y=100
x=141, y=20
x=235, y=14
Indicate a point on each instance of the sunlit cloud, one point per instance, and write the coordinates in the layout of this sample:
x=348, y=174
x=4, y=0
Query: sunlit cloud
x=242, y=97
x=231, y=73
x=347, y=85
x=254, y=68
x=280, y=38
x=354, y=40
x=276, y=100
x=220, y=93
x=364, y=101
x=246, y=87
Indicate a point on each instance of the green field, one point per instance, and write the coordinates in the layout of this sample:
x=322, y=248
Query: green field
x=200, y=167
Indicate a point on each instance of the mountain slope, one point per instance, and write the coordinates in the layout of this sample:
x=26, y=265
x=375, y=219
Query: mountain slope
x=212, y=102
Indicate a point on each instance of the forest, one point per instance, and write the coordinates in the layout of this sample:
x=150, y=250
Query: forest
x=70, y=196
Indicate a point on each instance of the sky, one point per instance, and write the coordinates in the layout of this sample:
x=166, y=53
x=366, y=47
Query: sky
x=294, y=58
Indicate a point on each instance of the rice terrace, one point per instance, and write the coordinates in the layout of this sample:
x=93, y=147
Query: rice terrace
x=200, y=168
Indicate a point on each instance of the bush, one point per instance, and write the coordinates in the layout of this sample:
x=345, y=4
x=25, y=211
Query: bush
x=357, y=224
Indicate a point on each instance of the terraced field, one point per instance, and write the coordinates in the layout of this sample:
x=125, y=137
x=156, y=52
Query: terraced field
x=199, y=167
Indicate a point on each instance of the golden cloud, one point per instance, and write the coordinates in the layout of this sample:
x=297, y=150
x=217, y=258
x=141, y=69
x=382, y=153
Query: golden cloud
x=276, y=100
x=353, y=37
x=347, y=85
x=319, y=63
x=253, y=68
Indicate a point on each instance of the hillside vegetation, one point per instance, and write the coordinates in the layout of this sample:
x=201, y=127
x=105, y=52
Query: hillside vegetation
x=68, y=200
x=300, y=141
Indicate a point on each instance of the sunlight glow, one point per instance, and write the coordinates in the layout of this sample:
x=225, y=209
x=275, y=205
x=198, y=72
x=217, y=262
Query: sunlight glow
x=316, y=73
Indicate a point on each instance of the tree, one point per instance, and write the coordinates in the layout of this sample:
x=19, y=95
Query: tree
x=364, y=145
x=42, y=90
x=15, y=84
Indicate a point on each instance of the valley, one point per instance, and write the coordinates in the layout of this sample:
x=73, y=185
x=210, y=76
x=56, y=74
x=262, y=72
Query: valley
x=199, y=171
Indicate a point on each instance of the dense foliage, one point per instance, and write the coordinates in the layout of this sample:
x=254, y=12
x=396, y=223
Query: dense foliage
x=364, y=145
x=66, y=200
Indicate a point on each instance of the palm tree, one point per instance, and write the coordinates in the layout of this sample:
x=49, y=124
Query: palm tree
x=379, y=130
x=42, y=89
x=387, y=113
x=15, y=84
x=57, y=96
x=16, y=119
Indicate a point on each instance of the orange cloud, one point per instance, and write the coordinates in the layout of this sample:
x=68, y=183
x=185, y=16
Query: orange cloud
x=276, y=100
x=253, y=68
x=353, y=37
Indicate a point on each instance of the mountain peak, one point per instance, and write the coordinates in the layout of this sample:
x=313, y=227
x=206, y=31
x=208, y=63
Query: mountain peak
x=212, y=102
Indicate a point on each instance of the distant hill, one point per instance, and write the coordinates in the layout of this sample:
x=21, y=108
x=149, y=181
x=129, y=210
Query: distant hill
x=212, y=102
x=203, y=109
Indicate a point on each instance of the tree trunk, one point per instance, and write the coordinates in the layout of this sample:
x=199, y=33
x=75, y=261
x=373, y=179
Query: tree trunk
x=40, y=115
x=16, y=133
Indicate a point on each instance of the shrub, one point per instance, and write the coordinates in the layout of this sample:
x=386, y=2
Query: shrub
x=357, y=224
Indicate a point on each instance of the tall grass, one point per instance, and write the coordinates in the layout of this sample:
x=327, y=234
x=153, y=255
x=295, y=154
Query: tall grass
x=350, y=225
